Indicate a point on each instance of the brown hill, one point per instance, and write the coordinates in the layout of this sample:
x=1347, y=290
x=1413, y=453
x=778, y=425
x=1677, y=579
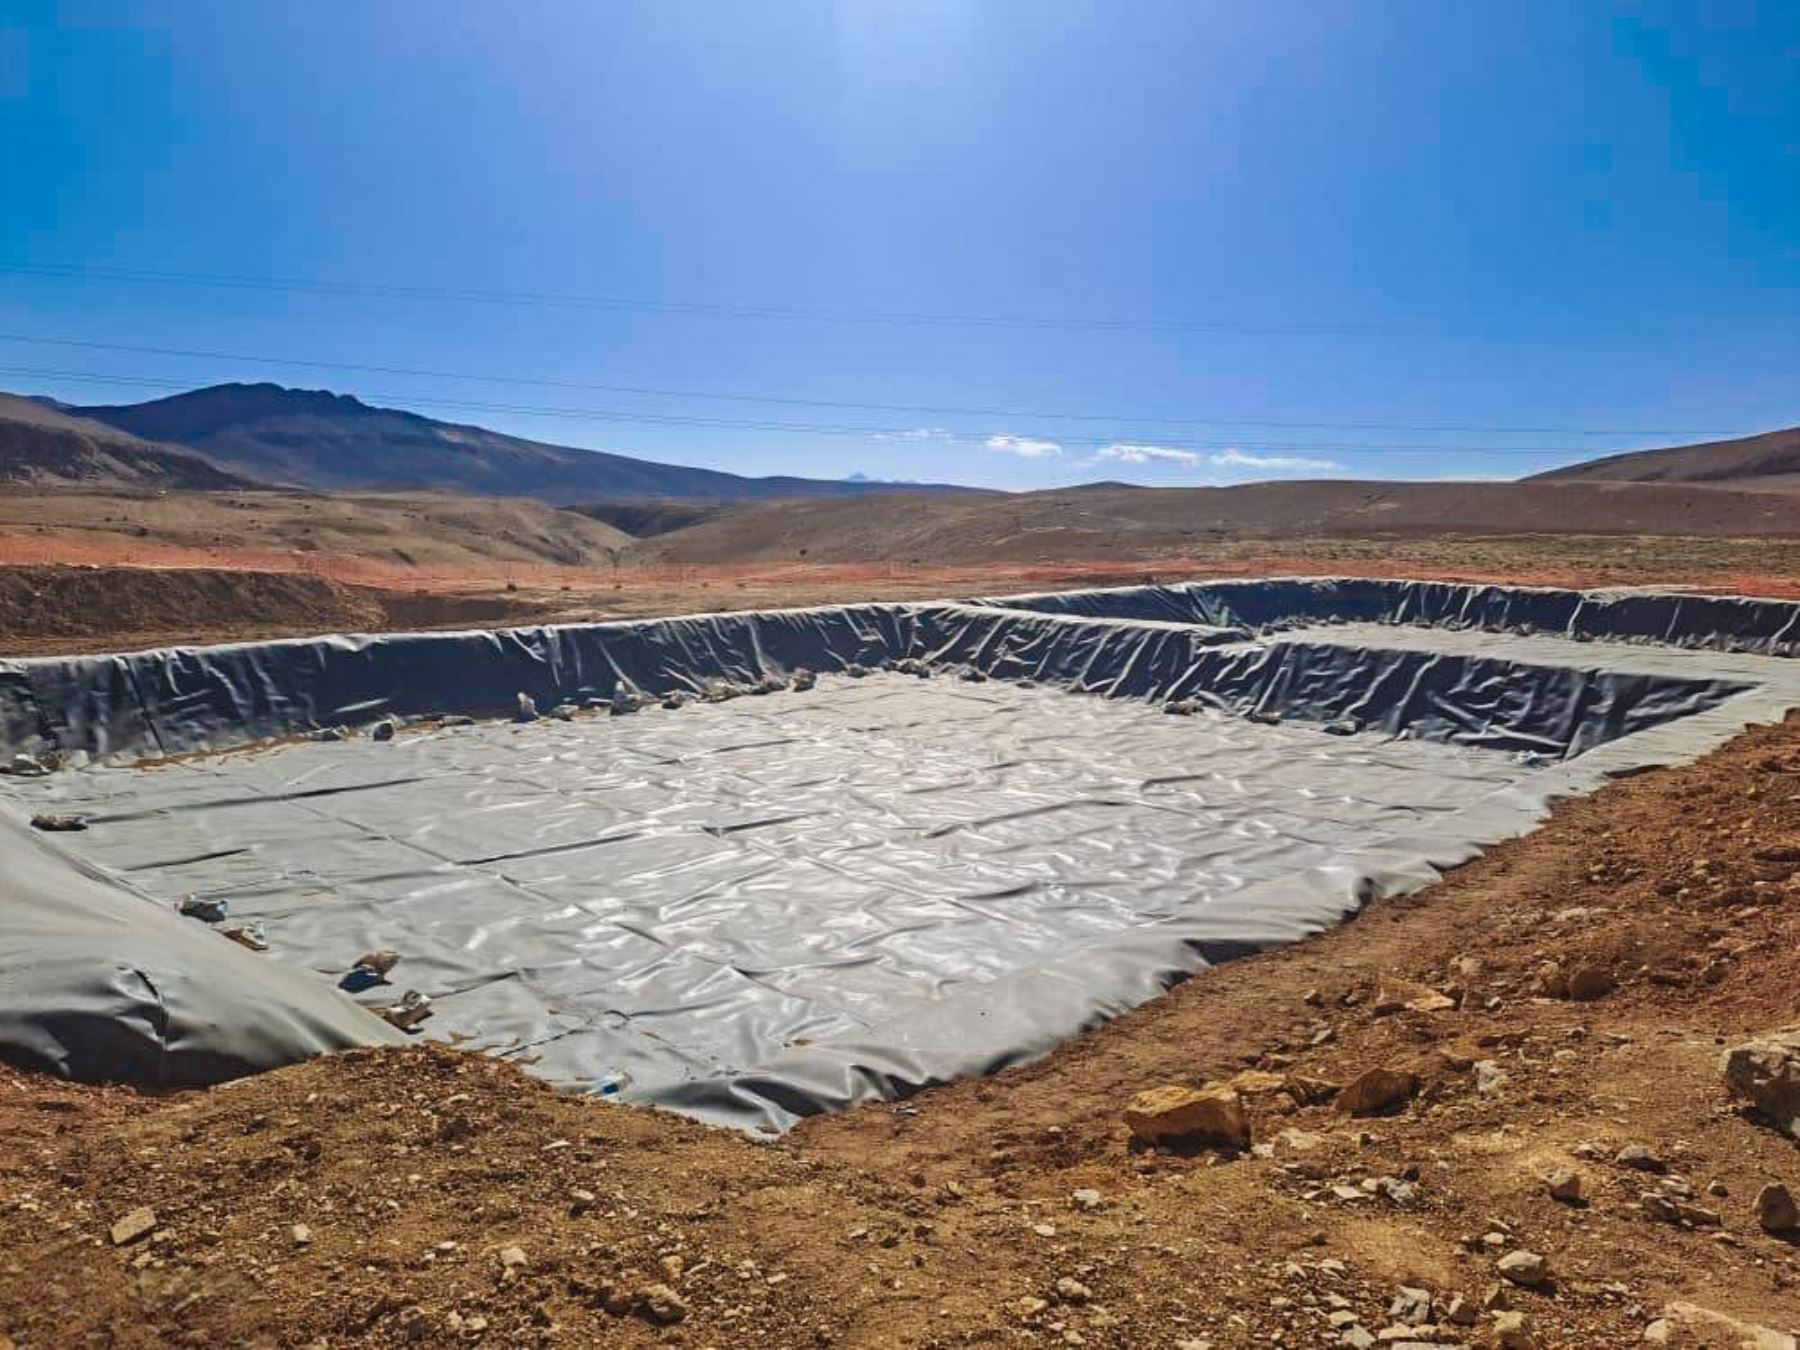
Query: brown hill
x=314, y=438
x=1106, y=522
x=1770, y=462
x=429, y=530
x=43, y=445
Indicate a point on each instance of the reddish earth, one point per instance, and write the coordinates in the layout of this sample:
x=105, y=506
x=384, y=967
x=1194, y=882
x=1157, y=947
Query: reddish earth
x=167, y=595
x=375, y=1198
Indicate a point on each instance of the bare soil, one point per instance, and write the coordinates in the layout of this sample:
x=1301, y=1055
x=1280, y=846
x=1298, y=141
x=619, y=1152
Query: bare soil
x=375, y=1198
x=98, y=605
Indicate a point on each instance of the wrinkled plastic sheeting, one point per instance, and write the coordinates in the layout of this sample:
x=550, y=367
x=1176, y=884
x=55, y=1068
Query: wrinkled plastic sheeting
x=100, y=984
x=1713, y=622
x=103, y=983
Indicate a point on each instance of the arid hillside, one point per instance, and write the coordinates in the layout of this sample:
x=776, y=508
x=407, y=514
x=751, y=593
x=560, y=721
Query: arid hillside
x=407, y=528
x=44, y=446
x=1114, y=522
x=1770, y=462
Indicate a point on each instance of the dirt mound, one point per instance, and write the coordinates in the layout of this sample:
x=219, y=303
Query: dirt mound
x=64, y=608
x=1557, y=1007
x=1100, y=523
x=1769, y=461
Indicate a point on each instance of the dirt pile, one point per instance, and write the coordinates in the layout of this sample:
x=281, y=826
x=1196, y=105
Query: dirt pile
x=61, y=608
x=1554, y=1157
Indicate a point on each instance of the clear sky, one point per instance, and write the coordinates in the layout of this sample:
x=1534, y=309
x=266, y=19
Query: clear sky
x=912, y=238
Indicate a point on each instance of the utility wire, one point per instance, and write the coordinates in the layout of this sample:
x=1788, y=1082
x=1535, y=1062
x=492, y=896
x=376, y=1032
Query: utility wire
x=841, y=429
x=924, y=409
x=798, y=314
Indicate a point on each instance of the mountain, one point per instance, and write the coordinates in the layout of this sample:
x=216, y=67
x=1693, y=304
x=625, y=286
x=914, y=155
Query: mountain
x=1766, y=463
x=42, y=444
x=318, y=439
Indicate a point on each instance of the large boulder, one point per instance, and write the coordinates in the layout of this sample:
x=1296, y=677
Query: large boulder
x=1766, y=1073
x=1184, y=1115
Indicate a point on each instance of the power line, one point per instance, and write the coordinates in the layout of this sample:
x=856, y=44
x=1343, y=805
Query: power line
x=845, y=429
x=786, y=313
x=923, y=409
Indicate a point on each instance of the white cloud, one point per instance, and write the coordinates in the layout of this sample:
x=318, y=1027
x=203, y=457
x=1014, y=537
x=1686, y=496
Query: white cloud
x=1237, y=459
x=917, y=434
x=1024, y=446
x=1147, y=454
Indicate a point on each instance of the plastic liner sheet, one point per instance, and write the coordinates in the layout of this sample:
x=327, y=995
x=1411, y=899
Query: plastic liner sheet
x=1714, y=622
x=760, y=909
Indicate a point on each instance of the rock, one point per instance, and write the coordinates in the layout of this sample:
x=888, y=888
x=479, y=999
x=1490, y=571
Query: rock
x=328, y=734
x=1292, y=1142
x=1586, y=983
x=58, y=824
x=1460, y=1312
x=1169, y=1114
x=1411, y=1306
x=1070, y=1290
x=1376, y=1090
x=1688, y=1324
x=1776, y=1210
x=1672, y=1209
x=384, y=729
x=565, y=712
x=381, y=960
x=1565, y=1184
x=512, y=1258
x=1489, y=1076
x=1511, y=1332
x=206, y=908
x=1524, y=1268
x=251, y=935
x=1357, y=1338
x=1087, y=1201
x=526, y=710
x=457, y=720
x=581, y=1201
x=1398, y=995
x=1310, y=1091
x=661, y=1304
x=802, y=680
x=128, y=1228
x=1639, y=1158
x=301, y=1234
x=1766, y=1073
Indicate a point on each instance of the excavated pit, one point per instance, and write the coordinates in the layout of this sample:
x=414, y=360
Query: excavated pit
x=759, y=908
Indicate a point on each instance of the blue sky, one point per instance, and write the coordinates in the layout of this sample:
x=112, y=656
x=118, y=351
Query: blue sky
x=1013, y=242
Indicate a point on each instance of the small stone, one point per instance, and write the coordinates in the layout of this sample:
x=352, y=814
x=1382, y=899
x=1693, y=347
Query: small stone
x=1460, y=1311
x=1511, y=1332
x=1776, y=1210
x=1070, y=1290
x=1639, y=1158
x=1029, y=1307
x=1489, y=1076
x=1376, y=1090
x=1564, y=1184
x=512, y=1258
x=1411, y=1306
x=1181, y=1114
x=581, y=1201
x=661, y=1304
x=1087, y=1200
x=384, y=730
x=1524, y=1267
x=1587, y=983
x=301, y=1234
x=130, y=1227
